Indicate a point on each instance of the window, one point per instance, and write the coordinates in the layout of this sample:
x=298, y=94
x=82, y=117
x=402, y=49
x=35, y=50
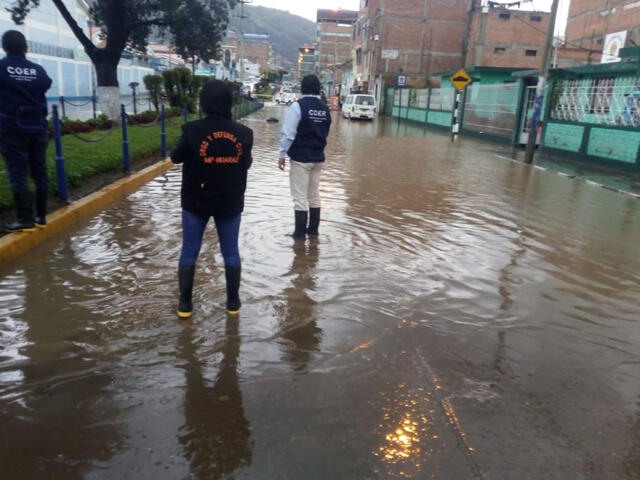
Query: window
x=530, y=53
x=365, y=100
x=602, y=91
x=504, y=16
x=499, y=50
x=535, y=18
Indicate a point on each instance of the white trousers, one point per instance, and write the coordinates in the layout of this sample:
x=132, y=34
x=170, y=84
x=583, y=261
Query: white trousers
x=305, y=183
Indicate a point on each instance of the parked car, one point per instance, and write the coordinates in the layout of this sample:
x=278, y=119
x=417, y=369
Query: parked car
x=359, y=106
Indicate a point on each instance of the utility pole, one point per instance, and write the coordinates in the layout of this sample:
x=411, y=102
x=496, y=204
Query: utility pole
x=242, y=16
x=542, y=79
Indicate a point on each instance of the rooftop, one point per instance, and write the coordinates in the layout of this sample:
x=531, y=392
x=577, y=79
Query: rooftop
x=337, y=16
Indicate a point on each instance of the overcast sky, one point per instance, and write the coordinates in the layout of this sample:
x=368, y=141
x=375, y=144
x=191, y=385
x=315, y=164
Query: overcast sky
x=307, y=8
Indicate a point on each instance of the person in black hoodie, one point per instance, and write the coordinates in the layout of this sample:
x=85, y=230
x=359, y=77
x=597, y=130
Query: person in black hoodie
x=216, y=155
x=23, y=130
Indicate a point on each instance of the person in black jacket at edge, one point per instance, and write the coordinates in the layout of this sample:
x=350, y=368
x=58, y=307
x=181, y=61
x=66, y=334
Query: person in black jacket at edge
x=23, y=130
x=303, y=138
x=216, y=155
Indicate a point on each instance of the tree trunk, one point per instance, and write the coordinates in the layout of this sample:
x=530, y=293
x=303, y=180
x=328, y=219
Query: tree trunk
x=106, y=65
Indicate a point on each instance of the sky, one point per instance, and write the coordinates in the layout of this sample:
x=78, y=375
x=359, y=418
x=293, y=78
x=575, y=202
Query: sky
x=307, y=8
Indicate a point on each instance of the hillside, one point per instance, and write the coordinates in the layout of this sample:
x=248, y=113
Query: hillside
x=287, y=31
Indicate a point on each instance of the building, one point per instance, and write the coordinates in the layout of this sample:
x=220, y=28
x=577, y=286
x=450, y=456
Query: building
x=53, y=45
x=591, y=21
x=594, y=112
x=257, y=48
x=333, y=37
x=164, y=57
x=408, y=36
x=306, y=60
x=501, y=37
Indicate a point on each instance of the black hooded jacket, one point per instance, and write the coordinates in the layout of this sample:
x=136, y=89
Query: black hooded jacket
x=216, y=155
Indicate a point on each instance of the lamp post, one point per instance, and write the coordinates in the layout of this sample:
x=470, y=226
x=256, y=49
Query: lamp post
x=133, y=86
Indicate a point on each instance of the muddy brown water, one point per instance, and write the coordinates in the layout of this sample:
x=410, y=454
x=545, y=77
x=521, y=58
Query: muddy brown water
x=459, y=317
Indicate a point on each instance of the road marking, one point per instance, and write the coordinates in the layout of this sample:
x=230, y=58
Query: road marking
x=574, y=177
x=450, y=414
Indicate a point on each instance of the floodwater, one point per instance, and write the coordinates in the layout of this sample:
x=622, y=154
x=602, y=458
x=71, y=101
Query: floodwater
x=460, y=317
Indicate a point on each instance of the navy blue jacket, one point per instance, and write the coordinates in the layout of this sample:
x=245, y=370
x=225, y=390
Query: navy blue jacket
x=313, y=129
x=23, y=105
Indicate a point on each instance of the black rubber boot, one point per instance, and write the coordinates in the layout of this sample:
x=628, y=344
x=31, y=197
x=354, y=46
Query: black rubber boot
x=185, y=282
x=41, y=208
x=232, y=275
x=24, y=213
x=19, y=227
x=314, y=221
x=301, y=224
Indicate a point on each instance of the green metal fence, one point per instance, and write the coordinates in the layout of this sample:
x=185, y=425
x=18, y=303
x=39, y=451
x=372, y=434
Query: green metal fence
x=432, y=106
x=491, y=109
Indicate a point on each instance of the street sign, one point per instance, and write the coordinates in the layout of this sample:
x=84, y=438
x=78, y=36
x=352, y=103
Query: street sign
x=401, y=80
x=460, y=79
x=389, y=54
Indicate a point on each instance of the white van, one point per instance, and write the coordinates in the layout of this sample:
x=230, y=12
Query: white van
x=359, y=106
x=286, y=97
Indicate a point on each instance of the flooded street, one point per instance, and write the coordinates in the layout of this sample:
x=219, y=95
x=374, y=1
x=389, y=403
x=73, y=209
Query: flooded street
x=460, y=317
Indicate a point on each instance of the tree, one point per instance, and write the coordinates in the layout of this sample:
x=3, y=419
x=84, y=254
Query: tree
x=196, y=26
x=154, y=87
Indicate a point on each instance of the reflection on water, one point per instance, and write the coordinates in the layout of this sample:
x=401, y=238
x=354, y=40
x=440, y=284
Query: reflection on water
x=56, y=415
x=405, y=430
x=216, y=436
x=518, y=288
x=300, y=332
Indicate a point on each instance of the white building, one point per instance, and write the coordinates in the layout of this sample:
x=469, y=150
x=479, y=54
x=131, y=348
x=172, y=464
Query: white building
x=53, y=45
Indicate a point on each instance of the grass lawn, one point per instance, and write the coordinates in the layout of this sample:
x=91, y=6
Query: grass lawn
x=84, y=160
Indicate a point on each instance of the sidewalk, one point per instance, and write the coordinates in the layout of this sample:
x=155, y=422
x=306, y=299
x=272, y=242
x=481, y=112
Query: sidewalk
x=609, y=178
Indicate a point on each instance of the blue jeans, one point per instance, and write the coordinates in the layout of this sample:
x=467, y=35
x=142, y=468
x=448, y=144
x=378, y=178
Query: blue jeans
x=193, y=226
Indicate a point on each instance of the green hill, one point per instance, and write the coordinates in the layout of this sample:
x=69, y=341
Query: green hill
x=287, y=31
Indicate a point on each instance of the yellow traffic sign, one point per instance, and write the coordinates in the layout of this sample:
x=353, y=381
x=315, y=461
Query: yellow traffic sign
x=460, y=79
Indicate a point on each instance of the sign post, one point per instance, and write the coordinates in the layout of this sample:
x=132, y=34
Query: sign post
x=401, y=82
x=460, y=80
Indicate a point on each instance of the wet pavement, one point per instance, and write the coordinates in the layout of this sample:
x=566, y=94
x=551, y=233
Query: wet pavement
x=459, y=317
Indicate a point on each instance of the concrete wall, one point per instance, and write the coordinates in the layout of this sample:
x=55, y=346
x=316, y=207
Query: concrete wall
x=588, y=141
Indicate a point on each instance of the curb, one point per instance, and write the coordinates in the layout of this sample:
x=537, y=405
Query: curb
x=575, y=177
x=14, y=245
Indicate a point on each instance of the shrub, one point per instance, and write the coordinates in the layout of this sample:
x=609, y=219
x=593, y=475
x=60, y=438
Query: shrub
x=142, y=118
x=76, y=126
x=154, y=87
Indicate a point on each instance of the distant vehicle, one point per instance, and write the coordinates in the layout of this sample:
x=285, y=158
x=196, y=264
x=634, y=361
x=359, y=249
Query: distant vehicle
x=286, y=98
x=359, y=106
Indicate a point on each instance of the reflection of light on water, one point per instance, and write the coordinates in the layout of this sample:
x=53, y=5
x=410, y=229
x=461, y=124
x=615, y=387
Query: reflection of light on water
x=405, y=431
x=402, y=443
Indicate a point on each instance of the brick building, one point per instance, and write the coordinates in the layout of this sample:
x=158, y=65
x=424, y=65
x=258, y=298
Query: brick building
x=257, y=48
x=416, y=37
x=306, y=60
x=333, y=37
x=501, y=37
x=590, y=21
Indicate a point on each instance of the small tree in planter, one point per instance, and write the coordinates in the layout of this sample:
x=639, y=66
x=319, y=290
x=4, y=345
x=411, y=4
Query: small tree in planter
x=154, y=87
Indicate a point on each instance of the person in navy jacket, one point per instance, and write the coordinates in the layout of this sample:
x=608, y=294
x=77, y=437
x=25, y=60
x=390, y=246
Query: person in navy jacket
x=304, y=136
x=23, y=130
